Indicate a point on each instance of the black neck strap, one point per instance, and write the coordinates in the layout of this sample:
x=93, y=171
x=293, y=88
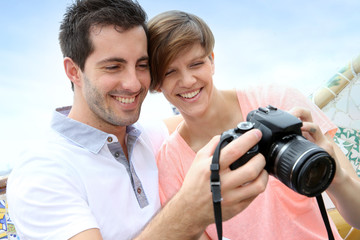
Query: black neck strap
x=215, y=185
x=216, y=193
x=324, y=215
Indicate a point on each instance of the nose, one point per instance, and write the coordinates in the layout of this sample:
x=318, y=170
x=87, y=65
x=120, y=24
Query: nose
x=187, y=80
x=131, y=81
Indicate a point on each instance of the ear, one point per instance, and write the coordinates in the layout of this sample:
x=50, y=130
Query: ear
x=212, y=63
x=72, y=71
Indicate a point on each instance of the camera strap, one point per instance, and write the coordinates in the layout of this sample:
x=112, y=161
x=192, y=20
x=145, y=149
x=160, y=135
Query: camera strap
x=324, y=215
x=215, y=184
x=216, y=192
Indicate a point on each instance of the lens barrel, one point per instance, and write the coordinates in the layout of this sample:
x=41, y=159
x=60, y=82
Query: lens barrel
x=301, y=165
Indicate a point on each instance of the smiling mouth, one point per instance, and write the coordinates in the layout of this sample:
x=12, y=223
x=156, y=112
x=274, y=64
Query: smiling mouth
x=190, y=94
x=125, y=100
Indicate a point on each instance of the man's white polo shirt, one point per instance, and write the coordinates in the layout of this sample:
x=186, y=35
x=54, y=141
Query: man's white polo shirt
x=80, y=179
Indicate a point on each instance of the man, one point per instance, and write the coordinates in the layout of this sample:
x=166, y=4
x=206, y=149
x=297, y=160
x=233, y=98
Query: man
x=95, y=177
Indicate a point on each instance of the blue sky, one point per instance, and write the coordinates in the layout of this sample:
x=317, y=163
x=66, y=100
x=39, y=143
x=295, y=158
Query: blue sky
x=299, y=43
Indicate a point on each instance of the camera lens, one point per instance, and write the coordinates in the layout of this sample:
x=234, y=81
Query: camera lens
x=301, y=165
x=316, y=174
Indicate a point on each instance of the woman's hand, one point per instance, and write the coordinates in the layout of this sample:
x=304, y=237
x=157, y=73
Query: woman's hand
x=346, y=184
x=312, y=131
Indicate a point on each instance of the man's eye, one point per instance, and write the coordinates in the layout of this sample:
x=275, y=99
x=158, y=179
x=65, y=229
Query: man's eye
x=112, y=67
x=143, y=66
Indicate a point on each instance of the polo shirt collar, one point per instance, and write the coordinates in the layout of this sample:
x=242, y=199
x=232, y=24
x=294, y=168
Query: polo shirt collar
x=82, y=134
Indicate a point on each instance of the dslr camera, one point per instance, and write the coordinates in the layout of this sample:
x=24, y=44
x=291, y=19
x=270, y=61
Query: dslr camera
x=298, y=163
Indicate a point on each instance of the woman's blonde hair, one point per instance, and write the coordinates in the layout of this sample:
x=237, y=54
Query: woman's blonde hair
x=170, y=33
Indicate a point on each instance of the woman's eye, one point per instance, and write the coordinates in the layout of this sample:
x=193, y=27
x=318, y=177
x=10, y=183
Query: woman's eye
x=197, y=64
x=169, y=72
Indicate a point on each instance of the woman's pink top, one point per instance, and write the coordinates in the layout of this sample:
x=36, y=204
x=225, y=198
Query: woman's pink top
x=278, y=213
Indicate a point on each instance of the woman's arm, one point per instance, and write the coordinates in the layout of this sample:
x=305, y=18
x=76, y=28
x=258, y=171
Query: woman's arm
x=345, y=187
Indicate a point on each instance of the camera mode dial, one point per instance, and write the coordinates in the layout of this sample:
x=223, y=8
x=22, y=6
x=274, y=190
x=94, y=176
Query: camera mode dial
x=240, y=129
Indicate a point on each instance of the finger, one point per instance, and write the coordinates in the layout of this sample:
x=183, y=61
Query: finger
x=311, y=131
x=303, y=114
x=237, y=148
x=244, y=174
x=250, y=190
x=311, y=128
x=235, y=209
x=208, y=150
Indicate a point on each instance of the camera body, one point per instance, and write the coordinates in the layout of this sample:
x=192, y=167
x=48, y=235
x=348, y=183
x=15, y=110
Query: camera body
x=298, y=163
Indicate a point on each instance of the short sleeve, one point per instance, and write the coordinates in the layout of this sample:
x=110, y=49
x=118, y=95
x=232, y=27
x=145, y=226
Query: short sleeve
x=45, y=203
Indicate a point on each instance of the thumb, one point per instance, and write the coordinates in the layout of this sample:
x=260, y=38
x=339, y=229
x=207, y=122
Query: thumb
x=209, y=149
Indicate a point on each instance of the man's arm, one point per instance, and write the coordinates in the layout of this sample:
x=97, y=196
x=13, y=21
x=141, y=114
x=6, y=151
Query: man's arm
x=90, y=234
x=190, y=211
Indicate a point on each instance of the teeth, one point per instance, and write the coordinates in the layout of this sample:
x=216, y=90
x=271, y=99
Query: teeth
x=190, y=94
x=125, y=100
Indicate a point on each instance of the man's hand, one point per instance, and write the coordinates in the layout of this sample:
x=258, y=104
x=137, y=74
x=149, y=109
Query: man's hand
x=190, y=211
x=239, y=187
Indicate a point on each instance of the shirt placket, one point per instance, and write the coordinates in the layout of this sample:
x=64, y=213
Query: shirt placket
x=117, y=152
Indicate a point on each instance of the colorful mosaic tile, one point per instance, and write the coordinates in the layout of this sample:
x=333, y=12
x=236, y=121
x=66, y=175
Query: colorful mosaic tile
x=7, y=228
x=348, y=140
x=339, y=100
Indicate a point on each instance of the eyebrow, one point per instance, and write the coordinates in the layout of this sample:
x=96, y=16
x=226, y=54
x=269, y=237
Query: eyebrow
x=120, y=60
x=108, y=60
x=143, y=58
x=197, y=57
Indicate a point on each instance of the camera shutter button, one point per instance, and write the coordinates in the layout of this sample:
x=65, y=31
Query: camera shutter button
x=244, y=126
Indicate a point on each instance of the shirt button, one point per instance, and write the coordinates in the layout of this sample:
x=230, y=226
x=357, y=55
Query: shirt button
x=109, y=139
x=117, y=154
x=139, y=190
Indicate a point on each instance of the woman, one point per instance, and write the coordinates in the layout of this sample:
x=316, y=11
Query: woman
x=182, y=66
